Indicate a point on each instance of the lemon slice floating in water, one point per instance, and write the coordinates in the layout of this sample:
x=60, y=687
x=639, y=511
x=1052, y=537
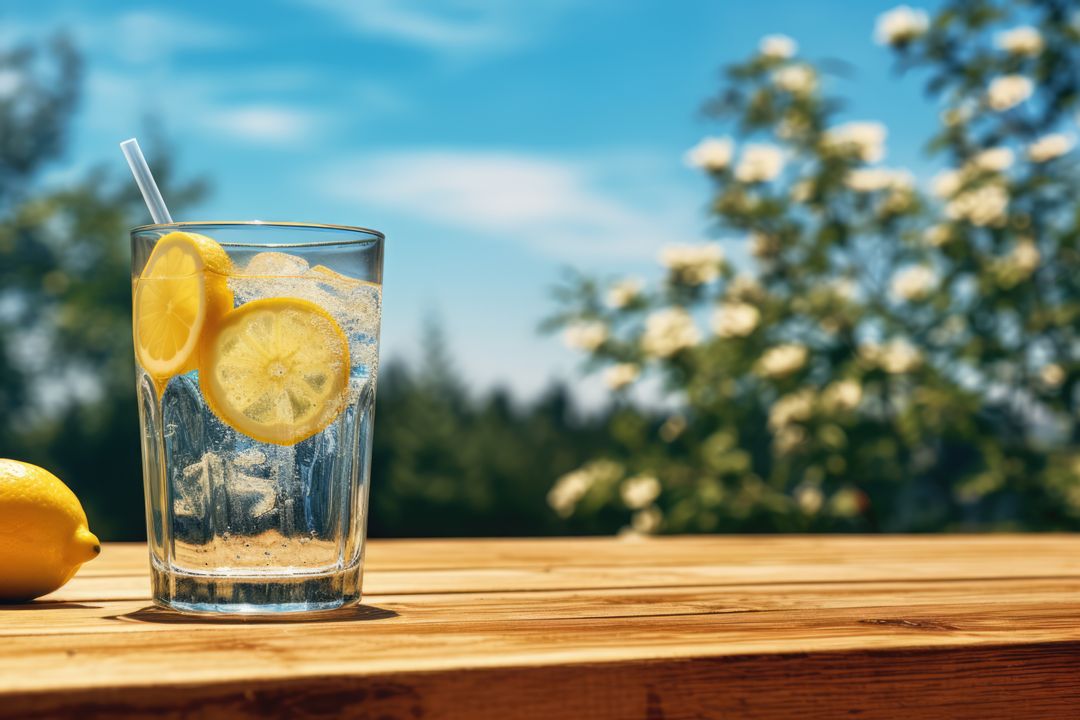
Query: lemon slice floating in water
x=276, y=369
x=182, y=292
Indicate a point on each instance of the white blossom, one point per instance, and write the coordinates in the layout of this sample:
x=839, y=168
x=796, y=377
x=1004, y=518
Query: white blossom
x=760, y=162
x=984, y=206
x=1049, y=147
x=874, y=179
x=647, y=521
x=735, y=319
x=777, y=47
x=624, y=292
x=620, y=375
x=587, y=335
x=568, y=491
x=946, y=183
x=914, y=283
x=711, y=154
x=693, y=264
x=993, y=160
x=842, y=395
x=895, y=357
x=900, y=25
x=1008, y=91
x=864, y=140
x=795, y=79
x=1025, y=257
x=802, y=190
x=792, y=408
x=782, y=360
x=809, y=498
x=1023, y=40
x=1052, y=375
x=789, y=439
x=937, y=235
x=843, y=288
x=669, y=331
x=639, y=491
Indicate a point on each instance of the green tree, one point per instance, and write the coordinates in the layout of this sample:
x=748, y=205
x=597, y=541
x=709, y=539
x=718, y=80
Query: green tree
x=893, y=360
x=449, y=462
x=66, y=370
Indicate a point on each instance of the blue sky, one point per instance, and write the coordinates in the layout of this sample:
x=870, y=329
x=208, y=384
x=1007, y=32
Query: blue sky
x=494, y=142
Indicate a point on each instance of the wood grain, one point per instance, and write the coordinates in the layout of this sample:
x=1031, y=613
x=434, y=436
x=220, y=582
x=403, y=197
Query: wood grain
x=726, y=627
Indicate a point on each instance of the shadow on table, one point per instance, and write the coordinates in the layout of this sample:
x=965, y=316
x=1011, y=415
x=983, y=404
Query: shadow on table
x=358, y=613
x=47, y=605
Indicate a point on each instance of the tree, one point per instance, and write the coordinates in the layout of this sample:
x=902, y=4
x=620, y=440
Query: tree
x=67, y=398
x=894, y=360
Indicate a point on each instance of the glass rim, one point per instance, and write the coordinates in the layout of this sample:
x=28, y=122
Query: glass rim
x=368, y=233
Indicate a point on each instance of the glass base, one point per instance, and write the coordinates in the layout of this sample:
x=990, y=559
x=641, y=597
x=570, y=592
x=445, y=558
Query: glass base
x=255, y=594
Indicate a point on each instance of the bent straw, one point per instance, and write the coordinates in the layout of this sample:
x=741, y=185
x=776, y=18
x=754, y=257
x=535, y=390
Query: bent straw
x=145, y=180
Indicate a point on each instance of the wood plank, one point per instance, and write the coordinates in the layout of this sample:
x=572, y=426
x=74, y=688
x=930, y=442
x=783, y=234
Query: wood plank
x=139, y=616
x=665, y=628
x=957, y=683
x=120, y=574
x=458, y=553
x=242, y=653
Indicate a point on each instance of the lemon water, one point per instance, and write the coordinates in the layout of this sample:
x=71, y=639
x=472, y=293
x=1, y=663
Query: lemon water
x=248, y=515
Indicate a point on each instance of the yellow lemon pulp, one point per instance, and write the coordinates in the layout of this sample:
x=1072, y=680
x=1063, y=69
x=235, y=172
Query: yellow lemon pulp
x=276, y=369
x=44, y=537
x=336, y=277
x=182, y=291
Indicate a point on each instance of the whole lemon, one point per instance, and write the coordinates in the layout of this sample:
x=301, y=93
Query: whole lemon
x=43, y=534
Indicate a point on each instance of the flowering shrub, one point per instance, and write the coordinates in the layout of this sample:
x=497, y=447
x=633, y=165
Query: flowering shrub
x=901, y=354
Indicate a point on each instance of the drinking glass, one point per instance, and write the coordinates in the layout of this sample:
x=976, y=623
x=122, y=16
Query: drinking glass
x=256, y=351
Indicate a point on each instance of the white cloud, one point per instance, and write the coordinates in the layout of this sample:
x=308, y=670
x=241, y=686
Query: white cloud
x=264, y=124
x=564, y=209
x=143, y=36
x=449, y=25
x=138, y=36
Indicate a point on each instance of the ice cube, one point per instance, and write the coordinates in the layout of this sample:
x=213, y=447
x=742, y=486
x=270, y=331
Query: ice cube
x=275, y=264
x=192, y=488
x=269, y=274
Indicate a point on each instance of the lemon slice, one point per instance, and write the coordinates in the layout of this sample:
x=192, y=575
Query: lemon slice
x=181, y=291
x=337, y=277
x=276, y=369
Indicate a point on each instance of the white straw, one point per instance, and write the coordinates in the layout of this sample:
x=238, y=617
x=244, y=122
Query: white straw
x=145, y=180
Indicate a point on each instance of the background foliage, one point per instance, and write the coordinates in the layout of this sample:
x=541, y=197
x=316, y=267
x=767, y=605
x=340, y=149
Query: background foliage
x=896, y=354
x=892, y=359
x=446, y=462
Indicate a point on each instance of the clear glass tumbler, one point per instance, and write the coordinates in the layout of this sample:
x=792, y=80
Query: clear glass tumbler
x=256, y=348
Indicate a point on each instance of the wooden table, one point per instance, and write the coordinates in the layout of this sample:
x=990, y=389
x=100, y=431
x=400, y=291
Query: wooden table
x=672, y=628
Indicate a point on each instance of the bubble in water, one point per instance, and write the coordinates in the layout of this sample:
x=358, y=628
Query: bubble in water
x=249, y=458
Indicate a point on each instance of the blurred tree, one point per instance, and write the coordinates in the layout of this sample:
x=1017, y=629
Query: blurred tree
x=446, y=463
x=894, y=361
x=66, y=392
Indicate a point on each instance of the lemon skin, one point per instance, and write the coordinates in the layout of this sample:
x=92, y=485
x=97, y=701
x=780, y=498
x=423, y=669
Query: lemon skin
x=44, y=537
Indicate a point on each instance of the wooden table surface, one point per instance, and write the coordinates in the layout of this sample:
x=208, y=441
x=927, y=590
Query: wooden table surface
x=670, y=628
